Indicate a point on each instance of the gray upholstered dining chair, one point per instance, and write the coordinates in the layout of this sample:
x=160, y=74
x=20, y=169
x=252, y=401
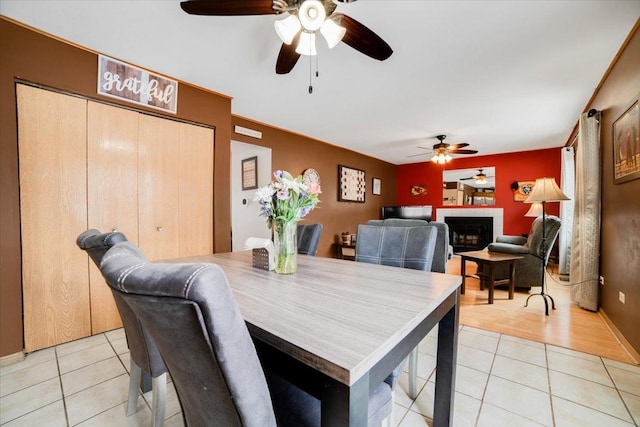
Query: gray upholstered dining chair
x=144, y=355
x=308, y=238
x=190, y=311
x=528, y=268
x=407, y=247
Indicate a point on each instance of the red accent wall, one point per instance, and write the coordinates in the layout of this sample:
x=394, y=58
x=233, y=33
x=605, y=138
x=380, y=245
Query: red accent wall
x=510, y=167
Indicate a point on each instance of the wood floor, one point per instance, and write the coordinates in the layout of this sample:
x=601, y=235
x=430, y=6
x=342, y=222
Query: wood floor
x=568, y=326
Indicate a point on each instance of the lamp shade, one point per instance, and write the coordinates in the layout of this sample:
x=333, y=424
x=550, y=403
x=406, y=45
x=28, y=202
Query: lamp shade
x=307, y=44
x=312, y=14
x=535, y=210
x=332, y=32
x=287, y=28
x=546, y=190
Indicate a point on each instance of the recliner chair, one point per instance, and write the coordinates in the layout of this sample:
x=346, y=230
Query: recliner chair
x=144, y=355
x=190, y=312
x=528, y=269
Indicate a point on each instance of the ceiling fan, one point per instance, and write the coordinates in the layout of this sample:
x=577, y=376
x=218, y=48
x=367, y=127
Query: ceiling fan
x=298, y=31
x=480, y=177
x=442, y=150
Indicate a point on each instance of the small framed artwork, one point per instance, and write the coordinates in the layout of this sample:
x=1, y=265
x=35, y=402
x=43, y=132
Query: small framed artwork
x=418, y=190
x=626, y=145
x=376, y=186
x=351, y=184
x=522, y=190
x=250, y=173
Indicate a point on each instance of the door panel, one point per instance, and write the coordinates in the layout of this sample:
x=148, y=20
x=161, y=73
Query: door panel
x=196, y=190
x=53, y=194
x=112, y=162
x=158, y=187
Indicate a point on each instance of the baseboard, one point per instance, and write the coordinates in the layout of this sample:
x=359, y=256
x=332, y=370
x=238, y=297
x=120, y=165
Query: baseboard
x=11, y=359
x=626, y=345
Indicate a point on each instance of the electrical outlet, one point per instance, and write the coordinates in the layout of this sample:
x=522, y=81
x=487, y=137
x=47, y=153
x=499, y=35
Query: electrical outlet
x=602, y=280
x=621, y=297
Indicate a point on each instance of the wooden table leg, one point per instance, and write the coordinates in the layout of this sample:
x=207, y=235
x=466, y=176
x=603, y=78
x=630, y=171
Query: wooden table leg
x=512, y=277
x=463, y=272
x=490, y=281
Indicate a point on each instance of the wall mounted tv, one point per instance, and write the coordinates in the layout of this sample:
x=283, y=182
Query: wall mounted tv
x=407, y=212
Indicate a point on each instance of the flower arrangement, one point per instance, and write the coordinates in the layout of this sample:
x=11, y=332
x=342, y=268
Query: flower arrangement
x=285, y=202
x=287, y=199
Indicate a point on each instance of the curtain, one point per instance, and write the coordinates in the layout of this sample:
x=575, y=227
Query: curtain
x=567, y=182
x=585, y=239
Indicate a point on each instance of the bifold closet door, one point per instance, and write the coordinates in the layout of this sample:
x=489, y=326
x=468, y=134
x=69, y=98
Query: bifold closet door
x=112, y=185
x=175, y=187
x=196, y=190
x=158, y=187
x=53, y=194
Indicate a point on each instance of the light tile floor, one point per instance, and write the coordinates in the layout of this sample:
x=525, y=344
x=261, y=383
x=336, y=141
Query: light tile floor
x=501, y=381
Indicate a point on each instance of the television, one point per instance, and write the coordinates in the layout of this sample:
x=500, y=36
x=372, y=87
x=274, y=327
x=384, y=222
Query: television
x=407, y=212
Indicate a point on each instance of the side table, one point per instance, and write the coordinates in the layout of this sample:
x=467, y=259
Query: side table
x=488, y=260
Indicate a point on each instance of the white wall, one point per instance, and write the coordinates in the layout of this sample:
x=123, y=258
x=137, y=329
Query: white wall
x=245, y=217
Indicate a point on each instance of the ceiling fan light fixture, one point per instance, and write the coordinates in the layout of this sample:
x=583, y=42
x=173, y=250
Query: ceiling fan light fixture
x=287, y=28
x=481, y=180
x=312, y=15
x=332, y=32
x=307, y=44
x=441, y=158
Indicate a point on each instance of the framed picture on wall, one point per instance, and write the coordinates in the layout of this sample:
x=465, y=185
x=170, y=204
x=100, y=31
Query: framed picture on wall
x=250, y=173
x=376, y=186
x=626, y=145
x=351, y=184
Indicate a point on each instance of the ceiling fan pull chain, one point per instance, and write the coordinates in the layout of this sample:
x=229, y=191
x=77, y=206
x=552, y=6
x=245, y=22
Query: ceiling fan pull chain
x=310, y=73
x=317, y=60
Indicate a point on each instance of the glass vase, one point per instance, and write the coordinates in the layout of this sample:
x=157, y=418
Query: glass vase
x=286, y=246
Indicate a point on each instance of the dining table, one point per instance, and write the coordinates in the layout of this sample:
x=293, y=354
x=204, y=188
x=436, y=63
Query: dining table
x=337, y=328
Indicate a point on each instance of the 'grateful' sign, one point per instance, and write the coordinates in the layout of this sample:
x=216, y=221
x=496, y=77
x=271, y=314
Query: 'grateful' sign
x=123, y=81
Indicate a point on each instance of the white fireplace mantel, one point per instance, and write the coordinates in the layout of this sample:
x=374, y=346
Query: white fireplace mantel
x=496, y=213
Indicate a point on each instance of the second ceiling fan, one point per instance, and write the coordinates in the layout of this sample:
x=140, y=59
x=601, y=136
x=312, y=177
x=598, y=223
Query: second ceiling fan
x=298, y=31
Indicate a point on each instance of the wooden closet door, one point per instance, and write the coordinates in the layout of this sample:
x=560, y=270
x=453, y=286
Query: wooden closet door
x=112, y=184
x=196, y=190
x=53, y=194
x=158, y=187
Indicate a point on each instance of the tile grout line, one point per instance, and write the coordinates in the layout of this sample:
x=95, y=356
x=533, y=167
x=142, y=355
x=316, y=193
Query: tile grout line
x=64, y=401
x=606, y=368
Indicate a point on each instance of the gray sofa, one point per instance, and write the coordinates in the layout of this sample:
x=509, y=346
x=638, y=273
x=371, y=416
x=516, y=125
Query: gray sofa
x=442, y=252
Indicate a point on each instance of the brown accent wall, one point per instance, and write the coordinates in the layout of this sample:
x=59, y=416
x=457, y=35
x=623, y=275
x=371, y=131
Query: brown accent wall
x=29, y=55
x=620, y=232
x=295, y=153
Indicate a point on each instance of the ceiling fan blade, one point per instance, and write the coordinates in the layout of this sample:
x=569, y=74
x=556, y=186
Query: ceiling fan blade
x=288, y=57
x=457, y=146
x=363, y=39
x=463, y=151
x=228, y=7
x=417, y=155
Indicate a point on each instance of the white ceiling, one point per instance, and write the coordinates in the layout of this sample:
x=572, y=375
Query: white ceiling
x=503, y=76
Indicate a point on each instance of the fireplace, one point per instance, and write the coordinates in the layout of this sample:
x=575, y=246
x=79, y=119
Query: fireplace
x=469, y=233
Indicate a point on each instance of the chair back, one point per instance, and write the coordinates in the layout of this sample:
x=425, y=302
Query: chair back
x=308, y=238
x=191, y=313
x=442, y=249
x=407, y=247
x=551, y=229
x=142, y=348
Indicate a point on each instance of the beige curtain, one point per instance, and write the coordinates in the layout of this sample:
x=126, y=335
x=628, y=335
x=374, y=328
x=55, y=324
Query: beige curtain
x=585, y=236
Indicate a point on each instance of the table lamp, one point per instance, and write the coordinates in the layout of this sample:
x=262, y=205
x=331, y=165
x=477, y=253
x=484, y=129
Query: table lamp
x=545, y=190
